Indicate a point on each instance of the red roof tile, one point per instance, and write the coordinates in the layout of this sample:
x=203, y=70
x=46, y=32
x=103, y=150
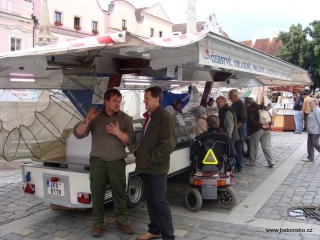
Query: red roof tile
x=266, y=45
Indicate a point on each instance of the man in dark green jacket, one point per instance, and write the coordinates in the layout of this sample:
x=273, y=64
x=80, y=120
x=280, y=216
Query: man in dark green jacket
x=153, y=162
x=228, y=118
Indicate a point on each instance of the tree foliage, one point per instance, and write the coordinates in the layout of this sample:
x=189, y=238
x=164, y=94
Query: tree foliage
x=301, y=47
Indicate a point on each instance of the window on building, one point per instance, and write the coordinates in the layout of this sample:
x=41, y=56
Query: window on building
x=160, y=33
x=15, y=44
x=124, y=24
x=76, y=22
x=151, y=32
x=57, y=17
x=94, y=26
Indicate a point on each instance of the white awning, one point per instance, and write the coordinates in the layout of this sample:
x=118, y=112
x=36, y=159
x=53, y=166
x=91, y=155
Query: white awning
x=191, y=57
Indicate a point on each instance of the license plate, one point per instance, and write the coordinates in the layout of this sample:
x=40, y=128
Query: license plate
x=55, y=188
x=209, y=182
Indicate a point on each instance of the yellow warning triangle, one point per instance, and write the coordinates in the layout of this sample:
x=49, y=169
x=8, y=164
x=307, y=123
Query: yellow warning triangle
x=210, y=158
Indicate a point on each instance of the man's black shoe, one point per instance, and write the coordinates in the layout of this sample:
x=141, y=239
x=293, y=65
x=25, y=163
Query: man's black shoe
x=270, y=165
x=236, y=170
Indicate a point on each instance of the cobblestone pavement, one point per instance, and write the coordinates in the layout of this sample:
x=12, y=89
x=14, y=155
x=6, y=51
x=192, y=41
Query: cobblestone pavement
x=300, y=189
x=24, y=217
x=10, y=172
x=250, y=177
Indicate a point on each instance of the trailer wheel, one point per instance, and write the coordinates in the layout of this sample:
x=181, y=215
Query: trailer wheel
x=193, y=200
x=227, y=198
x=136, y=192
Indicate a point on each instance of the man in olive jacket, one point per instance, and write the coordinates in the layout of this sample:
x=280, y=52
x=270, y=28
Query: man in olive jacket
x=153, y=162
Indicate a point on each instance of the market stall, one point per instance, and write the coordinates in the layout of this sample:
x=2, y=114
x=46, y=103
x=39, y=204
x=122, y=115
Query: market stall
x=282, y=106
x=282, y=111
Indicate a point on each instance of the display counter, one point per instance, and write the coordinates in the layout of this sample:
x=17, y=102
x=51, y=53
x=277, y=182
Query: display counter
x=283, y=118
x=283, y=123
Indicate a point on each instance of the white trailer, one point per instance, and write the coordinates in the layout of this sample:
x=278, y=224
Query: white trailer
x=64, y=181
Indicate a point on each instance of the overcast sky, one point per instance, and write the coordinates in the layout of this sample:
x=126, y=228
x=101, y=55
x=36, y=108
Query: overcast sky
x=244, y=19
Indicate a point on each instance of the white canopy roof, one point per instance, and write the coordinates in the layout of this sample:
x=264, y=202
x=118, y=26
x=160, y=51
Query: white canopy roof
x=191, y=57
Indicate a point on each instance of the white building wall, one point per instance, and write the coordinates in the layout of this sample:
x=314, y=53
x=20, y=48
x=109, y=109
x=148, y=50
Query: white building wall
x=87, y=11
x=126, y=11
x=63, y=37
x=157, y=10
x=152, y=17
x=149, y=22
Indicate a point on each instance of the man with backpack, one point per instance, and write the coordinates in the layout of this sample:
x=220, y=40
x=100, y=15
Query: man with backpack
x=258, y=132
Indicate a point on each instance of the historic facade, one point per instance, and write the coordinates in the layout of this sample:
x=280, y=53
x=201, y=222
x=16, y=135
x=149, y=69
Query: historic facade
x=16, y=25
x=21, y=20
x=145, y=22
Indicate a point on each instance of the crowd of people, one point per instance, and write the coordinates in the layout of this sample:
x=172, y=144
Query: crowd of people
x=306, y=112
x=111, y=130
x=241, y=121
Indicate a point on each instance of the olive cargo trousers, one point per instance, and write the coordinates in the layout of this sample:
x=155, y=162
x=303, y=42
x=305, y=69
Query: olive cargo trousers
x=113, y=173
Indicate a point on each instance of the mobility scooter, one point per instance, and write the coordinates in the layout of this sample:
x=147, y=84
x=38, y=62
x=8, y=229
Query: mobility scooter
x=210, y=178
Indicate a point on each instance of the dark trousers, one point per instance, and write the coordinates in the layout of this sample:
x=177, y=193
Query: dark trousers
x=155, y=189
x=112, y=173
x=238, y=145
x=305, y=118
x=312, y=143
